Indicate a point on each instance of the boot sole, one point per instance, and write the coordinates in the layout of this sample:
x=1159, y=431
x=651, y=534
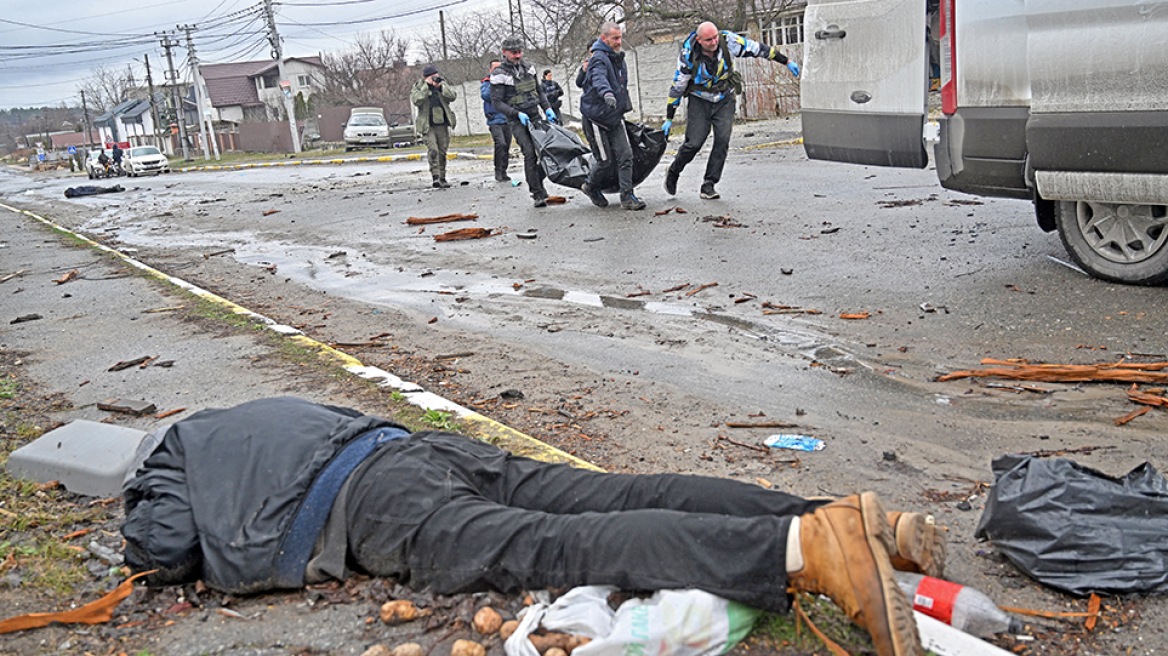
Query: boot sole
x=920, y=543
x=904, y=638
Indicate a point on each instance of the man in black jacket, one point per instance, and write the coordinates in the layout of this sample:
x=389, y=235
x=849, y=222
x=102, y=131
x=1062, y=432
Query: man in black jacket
x=553, y=91
x=277, y=493
x=517, y=94
x=604, y=102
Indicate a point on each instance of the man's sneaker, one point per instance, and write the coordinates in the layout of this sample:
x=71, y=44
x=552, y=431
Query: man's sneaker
x=443, y=184
x=437, y=184
x=502, y=177
x=594, y=195
x=631, y=202
x=671, y=182
x=708, y=191
x=540, y=198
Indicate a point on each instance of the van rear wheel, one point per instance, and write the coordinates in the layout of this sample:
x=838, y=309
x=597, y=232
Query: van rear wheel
x=1117, y=242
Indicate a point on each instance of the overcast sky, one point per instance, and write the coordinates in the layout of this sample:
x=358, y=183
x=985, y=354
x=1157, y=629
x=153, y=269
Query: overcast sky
x=48, y=47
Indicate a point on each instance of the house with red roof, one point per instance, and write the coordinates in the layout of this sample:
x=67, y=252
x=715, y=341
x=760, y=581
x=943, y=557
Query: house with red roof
x=242, y=92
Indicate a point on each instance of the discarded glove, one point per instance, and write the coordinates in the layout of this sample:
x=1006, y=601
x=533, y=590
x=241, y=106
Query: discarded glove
x=551, y=114
x=610, y=100
x=524, y=119
x=794, y=68
x=666, y=126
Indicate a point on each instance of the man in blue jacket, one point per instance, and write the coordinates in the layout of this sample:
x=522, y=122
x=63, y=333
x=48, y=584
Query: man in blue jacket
x=706, y=78
x=278, y=493
x=604, y=101
x=499, y=127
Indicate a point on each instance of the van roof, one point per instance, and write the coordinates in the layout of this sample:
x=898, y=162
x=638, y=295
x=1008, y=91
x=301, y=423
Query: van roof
x=368, y=110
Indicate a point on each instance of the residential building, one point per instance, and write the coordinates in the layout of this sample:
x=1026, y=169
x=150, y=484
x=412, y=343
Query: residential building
x=250, y=91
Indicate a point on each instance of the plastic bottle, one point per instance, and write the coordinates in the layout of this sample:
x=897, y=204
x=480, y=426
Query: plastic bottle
x=958, y=606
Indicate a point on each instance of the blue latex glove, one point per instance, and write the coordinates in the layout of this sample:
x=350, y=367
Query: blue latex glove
x=666, y=126
x=550, y=114
x=794, y=68
x=524, y=119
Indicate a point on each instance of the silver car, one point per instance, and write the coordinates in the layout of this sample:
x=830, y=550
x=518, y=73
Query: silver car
x=1060, y=102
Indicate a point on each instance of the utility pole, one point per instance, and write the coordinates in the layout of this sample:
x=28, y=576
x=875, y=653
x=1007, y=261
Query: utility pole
x=204, y=118
x=511, y=13
x=172, y=78
x=442, y=28
x=85, y=110
x=278, y=55
x=519, y=10
x=153, y=104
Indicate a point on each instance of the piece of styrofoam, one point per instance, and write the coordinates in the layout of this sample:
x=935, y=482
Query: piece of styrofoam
x=87, y=457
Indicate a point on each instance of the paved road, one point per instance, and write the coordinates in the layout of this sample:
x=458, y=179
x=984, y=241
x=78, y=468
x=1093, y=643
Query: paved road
x=788, y=232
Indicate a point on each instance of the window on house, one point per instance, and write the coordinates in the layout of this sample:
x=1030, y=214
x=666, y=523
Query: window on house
x=303, y=80
x=270, y=80
x=785, y=31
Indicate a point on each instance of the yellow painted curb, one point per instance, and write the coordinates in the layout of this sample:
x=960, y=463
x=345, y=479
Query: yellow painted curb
x=776, y=144
x=486, y=428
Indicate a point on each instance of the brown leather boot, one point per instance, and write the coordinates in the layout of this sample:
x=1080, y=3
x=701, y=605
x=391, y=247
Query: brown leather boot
x=845, y=548
x=920, y=546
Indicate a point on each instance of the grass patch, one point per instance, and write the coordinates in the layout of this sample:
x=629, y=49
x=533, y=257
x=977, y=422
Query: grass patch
x=8, y=388
x=782, y=631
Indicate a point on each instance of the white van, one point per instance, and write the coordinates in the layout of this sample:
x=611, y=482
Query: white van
x=1062, y=102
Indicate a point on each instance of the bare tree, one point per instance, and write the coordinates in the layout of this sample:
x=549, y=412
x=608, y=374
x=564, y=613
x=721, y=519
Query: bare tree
x=733, y=15
x=562, y=30
x=105, y=88
x=373, y=72
x=472, y=40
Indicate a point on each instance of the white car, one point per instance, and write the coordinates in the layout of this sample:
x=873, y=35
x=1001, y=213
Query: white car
x=366, y=127
x=144, y=159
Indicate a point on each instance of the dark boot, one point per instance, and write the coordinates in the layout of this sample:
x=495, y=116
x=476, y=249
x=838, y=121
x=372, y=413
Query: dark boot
x=671, y=177
x=594, y=195
x=631, y=202
x=708, y=191
x=540, y=197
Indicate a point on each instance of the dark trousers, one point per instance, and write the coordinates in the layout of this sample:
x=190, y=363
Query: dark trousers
x=458, y=515
x=701, y=116
x=611, y=150
x=501, y=135
x=532, y=171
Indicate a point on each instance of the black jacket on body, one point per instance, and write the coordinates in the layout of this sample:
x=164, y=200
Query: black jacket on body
x=236, y=497
x=606, y=74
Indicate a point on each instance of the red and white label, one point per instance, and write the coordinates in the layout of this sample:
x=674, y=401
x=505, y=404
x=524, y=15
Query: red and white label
x=934, y=598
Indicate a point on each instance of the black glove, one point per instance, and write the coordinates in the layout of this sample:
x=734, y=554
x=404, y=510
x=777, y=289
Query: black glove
x=610, y=100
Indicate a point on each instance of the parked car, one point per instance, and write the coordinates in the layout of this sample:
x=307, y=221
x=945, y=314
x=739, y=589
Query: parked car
x=367, y=127
x=141, y=160
x=94, y=169
x=1060, y=102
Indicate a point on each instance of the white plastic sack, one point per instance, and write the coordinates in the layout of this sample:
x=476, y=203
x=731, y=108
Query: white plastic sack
x=670, y=623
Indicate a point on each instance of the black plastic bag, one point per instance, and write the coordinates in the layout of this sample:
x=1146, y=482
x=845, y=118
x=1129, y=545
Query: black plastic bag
x=561, y=153
x=566, y=160
x=1077, y=529
x=648, y=147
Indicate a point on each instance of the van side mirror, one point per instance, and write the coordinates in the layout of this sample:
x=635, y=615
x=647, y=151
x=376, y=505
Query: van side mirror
x=345, y=124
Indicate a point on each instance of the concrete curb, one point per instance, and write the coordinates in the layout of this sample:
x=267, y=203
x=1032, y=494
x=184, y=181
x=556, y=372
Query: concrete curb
x=412, y=157
x=488, y=429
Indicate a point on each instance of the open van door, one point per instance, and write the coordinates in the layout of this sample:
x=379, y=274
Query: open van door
x=864, y=82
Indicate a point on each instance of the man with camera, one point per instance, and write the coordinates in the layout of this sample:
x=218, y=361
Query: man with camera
x=435, y=120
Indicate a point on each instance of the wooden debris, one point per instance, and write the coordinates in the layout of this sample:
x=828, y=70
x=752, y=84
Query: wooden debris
x=761, y=424
x=95, y=612
x=675, y=289
x=556, y=200
x=270, y=212
x=465, y=233
x=1069, y=373
x=701, y=287
x=126, y=364
x=222, y=252
x=165, y=309
x=643, y=292
x=863, y=314
x=445, y=218
x=67, y=277
x=723, y=438
x=793, y=311
x=454, y=356
x=1120, y=421
x=1058, y=453
x=11, y=276
x=168, y=413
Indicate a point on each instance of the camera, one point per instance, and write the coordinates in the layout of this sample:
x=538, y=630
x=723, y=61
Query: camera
x=437, y=79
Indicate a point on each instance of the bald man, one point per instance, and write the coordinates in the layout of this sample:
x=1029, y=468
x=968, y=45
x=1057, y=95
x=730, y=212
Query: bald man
x=706, y=77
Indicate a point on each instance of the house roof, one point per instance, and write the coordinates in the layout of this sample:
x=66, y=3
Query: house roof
x=141, y=108
x=234, y=83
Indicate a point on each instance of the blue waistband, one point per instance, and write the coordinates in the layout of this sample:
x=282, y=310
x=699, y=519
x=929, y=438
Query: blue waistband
x=296, y=549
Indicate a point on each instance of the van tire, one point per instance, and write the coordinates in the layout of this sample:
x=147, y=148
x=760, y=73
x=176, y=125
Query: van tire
x=1089, y=231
